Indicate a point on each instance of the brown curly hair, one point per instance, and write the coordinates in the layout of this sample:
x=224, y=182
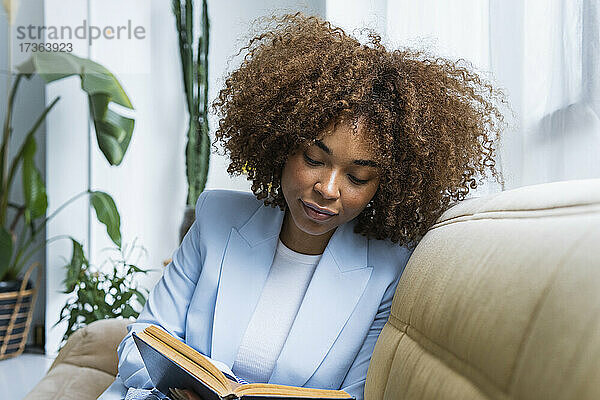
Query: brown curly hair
x=433, y=122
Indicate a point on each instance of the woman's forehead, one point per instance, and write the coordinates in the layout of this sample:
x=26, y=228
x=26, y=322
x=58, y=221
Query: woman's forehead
x=344, y=139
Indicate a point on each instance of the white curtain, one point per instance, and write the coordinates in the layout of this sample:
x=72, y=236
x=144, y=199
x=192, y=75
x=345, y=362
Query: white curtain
x=559, y=110
x=544, y=53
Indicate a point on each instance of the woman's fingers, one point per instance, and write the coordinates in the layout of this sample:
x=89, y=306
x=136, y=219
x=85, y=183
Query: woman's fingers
x=179, y=394
x=191, y=395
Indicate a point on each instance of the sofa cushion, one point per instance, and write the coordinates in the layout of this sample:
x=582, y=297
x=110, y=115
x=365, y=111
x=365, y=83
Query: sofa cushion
x=71, y=382
x=499, y=300
x=86, y=365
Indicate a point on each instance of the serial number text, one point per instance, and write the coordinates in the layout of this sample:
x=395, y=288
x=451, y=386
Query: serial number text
x=46, y=47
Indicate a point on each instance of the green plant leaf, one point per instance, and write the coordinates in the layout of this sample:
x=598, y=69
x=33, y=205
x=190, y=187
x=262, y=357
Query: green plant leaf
x=102, y=88
x=140, y=297
x=128, y=312
x=93, y=300
x=95, y=78
x=113, y=139
x=122, y=300
x=74, y=267
x=71, y=323
x=135, y=268
x=21, y=153
x=34, y=190
x=98, y=315
x=107, y=213
x=6, y=249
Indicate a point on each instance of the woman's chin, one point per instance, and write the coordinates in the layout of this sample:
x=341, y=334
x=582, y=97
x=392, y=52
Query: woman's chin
x=316, y=229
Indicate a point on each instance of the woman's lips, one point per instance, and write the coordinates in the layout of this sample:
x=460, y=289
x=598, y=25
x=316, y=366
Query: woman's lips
x=315, y=215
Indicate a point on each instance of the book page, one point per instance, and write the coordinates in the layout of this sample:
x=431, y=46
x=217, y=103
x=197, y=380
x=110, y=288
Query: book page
x=188, y=352
x=222, y=366
x=269, y=389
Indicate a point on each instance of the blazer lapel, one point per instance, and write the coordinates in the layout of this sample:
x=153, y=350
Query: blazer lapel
x=336, y=286
x=244, y=269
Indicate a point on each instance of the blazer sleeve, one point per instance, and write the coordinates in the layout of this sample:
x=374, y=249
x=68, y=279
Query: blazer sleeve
x=354, y=382
x=167, y=304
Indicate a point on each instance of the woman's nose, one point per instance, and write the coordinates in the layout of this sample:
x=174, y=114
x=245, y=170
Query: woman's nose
x=328, y=186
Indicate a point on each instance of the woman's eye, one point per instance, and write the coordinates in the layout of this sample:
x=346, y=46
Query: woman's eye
x=357, y=181
x=310, y=160
x=353, y=179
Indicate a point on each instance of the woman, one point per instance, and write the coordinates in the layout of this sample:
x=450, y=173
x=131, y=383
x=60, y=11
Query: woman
x=353, y=152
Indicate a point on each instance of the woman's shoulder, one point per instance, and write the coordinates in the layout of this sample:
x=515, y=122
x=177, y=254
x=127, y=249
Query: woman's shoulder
x=229, y=195
x=389, y=256
x=225, y=203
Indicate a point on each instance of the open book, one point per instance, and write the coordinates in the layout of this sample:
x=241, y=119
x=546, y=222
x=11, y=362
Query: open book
x=174, y=365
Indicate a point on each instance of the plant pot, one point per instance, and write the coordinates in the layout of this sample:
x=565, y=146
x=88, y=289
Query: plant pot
x=17, y=300
x=189, y=216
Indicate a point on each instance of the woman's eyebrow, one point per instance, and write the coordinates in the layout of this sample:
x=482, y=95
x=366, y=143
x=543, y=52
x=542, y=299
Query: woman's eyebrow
x=366, y=163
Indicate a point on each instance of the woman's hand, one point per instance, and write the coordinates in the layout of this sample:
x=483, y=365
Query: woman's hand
x=179, y=394
x=191, y=395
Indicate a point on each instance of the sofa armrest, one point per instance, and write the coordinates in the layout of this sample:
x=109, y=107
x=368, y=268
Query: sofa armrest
x=85, y=366
x=94, y=346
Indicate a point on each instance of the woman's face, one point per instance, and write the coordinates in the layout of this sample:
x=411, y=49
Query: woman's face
x=330, y=182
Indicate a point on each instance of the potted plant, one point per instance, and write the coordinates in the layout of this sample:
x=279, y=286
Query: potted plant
x=195, y=83
x=113, y=133
x=99, y=294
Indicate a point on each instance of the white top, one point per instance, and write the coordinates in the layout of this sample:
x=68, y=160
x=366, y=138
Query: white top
x=274, y=314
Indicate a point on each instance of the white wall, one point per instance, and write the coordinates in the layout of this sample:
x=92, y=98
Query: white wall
x=149, y=187
x=352, y=16
x=67, y=168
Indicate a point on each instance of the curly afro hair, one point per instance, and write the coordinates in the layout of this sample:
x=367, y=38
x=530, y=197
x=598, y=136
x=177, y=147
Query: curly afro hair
x=434, y=122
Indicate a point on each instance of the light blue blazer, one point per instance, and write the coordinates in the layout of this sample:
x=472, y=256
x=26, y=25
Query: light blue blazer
x=208, y=292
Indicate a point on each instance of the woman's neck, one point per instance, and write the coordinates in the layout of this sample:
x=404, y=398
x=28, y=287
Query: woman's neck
x=300, y=241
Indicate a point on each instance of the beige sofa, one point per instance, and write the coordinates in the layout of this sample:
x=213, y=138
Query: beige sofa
x=500, y=300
